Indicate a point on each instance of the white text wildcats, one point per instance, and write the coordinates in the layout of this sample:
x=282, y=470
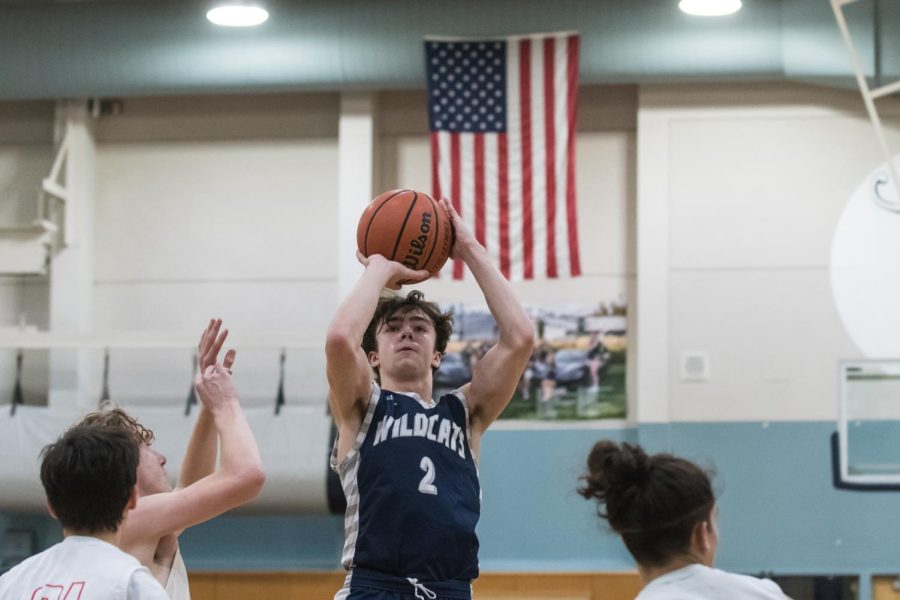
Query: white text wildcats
x=434, y=428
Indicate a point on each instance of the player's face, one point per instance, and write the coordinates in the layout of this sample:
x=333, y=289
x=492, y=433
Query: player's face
x=406, y=345
x=151, y=474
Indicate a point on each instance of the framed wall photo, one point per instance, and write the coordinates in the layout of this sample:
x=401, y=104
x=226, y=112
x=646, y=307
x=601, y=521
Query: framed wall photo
x=576, y=371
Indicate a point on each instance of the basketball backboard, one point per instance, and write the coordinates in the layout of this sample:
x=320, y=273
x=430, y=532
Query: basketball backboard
x=867, y=449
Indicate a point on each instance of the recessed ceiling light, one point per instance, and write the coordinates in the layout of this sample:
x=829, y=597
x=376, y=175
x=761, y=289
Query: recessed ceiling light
x=238, y=15
x=710, y=8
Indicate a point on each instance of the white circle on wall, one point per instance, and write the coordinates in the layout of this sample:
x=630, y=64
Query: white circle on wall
x=865, y=266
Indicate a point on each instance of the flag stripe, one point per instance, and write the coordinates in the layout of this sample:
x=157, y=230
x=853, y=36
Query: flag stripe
x=435, y=165
x=514, y=166
x=445, y=166
x=478, y=153
x=525, y=104
x=503, y=201
x=572, y=111
x=560, y=118
x=491, y=199
x=455, y=173
x=550, y=161
x=435, y=171
x=538, y=160
x=467, y=183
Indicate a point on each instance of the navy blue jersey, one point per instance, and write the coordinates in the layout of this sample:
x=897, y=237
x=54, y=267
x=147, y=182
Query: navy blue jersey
x=413, y=497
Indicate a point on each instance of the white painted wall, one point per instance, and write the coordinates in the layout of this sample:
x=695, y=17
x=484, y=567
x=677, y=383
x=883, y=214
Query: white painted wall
x=226, y=206
x=24, y=297
x=719, y=202
x=26, y=153
x=217, y=207
x=740, y=190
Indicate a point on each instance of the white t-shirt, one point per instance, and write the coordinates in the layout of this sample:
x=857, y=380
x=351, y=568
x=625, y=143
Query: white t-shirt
x=177, y=584
x=81, y=567
x=699, y=582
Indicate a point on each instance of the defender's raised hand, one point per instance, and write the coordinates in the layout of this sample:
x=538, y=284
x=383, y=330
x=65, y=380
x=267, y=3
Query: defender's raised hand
x=211, y=342
x=215, y=387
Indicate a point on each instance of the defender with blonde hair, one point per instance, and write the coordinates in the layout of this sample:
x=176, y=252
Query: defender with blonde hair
x=203, y=492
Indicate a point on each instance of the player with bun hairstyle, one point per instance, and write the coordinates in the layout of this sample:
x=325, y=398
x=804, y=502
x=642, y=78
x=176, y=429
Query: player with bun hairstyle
x=665, y=510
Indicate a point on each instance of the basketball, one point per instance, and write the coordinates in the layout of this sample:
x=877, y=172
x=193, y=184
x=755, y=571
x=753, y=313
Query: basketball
x=409, y=227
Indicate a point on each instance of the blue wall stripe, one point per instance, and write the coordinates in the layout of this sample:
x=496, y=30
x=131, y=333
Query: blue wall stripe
x=778, y=510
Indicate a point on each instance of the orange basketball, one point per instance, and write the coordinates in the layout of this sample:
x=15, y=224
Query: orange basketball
x=406, y=226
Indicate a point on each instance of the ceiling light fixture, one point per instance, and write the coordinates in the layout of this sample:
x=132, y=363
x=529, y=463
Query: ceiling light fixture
x=238, y=15
x=710, y=8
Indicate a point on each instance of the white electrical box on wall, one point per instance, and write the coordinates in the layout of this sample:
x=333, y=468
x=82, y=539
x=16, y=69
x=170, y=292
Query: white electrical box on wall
x=695, y=366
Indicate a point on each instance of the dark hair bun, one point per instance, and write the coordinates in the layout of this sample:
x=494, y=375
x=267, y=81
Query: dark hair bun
x=653, y=502
x=614, y=468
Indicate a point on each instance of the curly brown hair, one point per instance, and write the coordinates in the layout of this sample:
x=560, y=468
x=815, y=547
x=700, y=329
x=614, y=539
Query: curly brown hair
x=415, y=300
x=116, y=418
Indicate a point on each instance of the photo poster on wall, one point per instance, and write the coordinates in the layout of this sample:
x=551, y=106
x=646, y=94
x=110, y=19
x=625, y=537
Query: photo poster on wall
x=576, y=371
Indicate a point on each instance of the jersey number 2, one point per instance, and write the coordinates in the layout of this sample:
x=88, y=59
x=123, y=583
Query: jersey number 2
x=426, y=486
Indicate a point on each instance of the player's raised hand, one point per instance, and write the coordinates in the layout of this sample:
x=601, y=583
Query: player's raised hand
x=215, y=387
x=398, y=273
x=211, y=342
x=463, y=236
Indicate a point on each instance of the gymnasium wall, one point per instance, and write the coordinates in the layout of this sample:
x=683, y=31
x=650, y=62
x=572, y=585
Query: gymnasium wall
x=742, y=188
x=717, y=202
x=26, y=153
x=224, y=207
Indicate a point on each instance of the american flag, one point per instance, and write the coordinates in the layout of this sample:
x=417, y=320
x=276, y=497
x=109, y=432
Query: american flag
x=502, y=120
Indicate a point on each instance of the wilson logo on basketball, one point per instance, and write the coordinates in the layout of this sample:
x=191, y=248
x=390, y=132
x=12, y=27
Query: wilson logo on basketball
x=417, y=245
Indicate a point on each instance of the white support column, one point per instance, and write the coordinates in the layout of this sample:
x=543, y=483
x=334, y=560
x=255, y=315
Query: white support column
x=651, y=404
x=356, y=160
x=72, y=268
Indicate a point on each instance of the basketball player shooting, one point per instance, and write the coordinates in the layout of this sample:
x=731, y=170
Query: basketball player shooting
x=407, y=462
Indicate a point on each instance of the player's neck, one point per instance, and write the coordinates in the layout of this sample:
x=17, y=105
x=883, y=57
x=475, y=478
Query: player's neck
x=422, y=387
x=649, y=573
x=110, y=537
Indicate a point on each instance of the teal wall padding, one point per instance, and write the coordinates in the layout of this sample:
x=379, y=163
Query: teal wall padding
x=778, y=510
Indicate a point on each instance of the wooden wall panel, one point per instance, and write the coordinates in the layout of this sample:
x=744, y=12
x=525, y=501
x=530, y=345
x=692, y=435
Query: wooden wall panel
x=616, y=585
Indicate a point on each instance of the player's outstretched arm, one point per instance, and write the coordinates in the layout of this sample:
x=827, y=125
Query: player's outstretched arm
x=239, y=478
x=200, y=455
x=497, y=374
x=349, y=374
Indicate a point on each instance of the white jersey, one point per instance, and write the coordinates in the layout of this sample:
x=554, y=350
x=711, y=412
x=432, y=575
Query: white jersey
x=177, y=583
x=699, y=582
x=81, y=568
